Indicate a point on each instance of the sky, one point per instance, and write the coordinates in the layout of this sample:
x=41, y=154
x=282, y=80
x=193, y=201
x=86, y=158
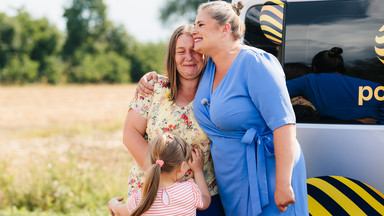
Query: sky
x=139, y=17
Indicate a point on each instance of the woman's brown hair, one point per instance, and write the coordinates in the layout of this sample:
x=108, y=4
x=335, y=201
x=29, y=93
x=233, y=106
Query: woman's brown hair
x=171, y=66
x=173, y=151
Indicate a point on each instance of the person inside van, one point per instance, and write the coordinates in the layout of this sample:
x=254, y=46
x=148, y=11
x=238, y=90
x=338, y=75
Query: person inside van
x=304, y=110
x=335, y=95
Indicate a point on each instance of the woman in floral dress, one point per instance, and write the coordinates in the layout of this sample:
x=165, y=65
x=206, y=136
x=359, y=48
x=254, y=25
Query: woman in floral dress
x=169, y=109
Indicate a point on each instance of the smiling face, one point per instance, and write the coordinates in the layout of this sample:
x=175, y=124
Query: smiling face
x=206, y=33
x=189, y=63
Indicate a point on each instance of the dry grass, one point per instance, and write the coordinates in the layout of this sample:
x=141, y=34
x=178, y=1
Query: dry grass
x=62, y=127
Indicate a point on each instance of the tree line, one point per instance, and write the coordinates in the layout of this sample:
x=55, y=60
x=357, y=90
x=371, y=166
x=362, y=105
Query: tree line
x=92, y=50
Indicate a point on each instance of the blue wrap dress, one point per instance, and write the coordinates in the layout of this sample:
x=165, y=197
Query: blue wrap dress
x=239, y=116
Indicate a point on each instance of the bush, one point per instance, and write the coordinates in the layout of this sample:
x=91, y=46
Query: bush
x=101, y=68
x=19, y=70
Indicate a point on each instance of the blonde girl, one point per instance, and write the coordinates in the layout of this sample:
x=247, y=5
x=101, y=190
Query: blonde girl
x=163, y=193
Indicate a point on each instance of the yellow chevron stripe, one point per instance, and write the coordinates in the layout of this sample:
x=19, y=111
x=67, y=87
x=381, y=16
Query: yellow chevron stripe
x=382, y=60
x=274, y=39
x=374, y=189
x=273, y=31
x=379, y=40
x=272, y=9
x=379, y=51
x=382, y=28
x=315, y=208
x=272, y=21
x=350, y=207
x=277, y=2
x=362, y=193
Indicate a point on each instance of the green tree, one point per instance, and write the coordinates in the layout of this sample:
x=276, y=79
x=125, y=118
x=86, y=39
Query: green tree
x=102, y=68
x=7, y=34
x=86, y=23
x=148, y=57
x=28, y=42
x=175, y=9
x=95, y=50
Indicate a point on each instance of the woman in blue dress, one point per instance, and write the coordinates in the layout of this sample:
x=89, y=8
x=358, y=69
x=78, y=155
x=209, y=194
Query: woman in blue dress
x=243, y=105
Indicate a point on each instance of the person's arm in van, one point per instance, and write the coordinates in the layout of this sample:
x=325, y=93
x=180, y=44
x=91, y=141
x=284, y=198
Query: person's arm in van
x=296, y=86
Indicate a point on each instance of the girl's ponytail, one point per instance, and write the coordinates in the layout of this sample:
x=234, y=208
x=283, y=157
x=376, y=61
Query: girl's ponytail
x=150, y=189
x=167, y=153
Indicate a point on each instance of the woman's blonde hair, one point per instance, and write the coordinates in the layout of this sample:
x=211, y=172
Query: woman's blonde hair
x=173, y=151
x=171, y=66
x=224, y=12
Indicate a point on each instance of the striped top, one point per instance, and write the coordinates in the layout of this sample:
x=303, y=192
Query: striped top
x=181, y=198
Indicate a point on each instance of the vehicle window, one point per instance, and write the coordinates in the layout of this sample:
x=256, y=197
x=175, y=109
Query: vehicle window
x=356, y=26
x=352, y=25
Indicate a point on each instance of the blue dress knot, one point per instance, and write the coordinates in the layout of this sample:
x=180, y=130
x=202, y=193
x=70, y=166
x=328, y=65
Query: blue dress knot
x=257, y=171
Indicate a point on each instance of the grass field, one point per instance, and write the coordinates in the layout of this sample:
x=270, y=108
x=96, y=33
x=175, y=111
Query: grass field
x=61, y=150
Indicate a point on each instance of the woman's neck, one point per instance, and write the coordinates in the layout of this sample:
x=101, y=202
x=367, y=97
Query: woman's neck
x=225, y=56
x=186, y=92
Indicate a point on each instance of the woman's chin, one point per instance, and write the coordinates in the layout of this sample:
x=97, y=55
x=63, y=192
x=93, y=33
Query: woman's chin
x=199, y=49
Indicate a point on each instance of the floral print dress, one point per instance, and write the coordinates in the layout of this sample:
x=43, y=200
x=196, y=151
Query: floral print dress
x=164, y=116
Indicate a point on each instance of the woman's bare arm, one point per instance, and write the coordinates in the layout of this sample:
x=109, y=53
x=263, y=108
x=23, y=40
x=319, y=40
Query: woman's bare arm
x=285, y=149
x=133, y=138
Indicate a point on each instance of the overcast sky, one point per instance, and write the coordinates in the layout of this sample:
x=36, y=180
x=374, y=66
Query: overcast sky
x=140, y=17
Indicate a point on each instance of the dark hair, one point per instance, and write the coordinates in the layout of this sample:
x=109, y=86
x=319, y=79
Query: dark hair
x=329, y=61
x=173, y=151
x=294, y=70
x=224, y=12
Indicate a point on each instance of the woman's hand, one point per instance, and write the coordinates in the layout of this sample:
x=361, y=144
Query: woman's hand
x=113, y=205
x=284, y=197
x=144, y=87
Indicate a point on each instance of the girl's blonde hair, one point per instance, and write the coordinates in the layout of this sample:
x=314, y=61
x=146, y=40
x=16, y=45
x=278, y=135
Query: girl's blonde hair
x=224, y=12
x=173, y=151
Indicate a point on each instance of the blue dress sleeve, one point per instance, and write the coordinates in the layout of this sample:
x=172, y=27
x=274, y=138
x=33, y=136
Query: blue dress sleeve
x=268, y=91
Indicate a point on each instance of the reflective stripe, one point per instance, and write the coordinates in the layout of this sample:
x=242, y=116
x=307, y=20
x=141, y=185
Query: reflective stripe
x=350, y=207
x=379, y=207
x=317, y=208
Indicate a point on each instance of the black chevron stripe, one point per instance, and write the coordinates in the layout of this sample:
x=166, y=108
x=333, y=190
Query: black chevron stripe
x=326, y=201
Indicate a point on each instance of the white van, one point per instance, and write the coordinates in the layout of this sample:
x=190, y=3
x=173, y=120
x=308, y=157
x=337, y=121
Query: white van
x=307, y=27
